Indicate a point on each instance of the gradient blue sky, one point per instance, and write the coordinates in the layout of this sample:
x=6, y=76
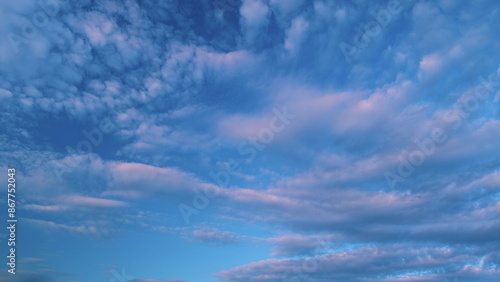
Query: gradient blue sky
x=252, y=140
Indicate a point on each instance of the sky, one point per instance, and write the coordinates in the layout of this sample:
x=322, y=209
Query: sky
x=251, y=140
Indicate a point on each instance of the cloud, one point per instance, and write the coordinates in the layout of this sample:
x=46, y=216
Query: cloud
x=213, y=235
x=95, y=229
x=203, y=234
x=287, y=7
x=76, y=201
x=295, y=35
x=157, y=181
x=291, y=245
x=254, y=17
x=254, y=13
x=383, y=263
x=184, y=83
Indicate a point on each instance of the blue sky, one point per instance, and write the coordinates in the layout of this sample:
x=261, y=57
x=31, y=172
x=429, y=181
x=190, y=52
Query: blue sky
x=252, y=140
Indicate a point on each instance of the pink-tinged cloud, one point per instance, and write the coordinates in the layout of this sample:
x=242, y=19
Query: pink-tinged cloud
x=78, y=200
x=294, y=244
x=213, y=235
x=96, y=229
x=42, y=208
x=127, y=177
x=396, y=262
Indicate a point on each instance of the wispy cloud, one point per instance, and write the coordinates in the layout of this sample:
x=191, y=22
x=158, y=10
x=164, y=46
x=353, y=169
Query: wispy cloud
x=116, y=113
